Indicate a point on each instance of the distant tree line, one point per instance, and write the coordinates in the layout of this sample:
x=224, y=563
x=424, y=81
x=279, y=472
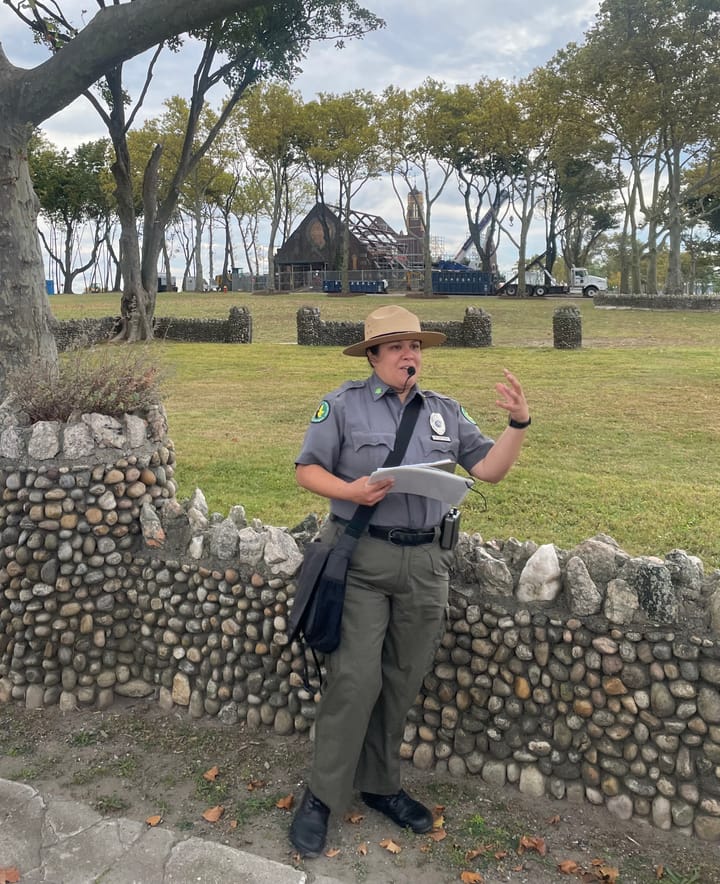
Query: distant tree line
x=597, y=143
x=613, y=144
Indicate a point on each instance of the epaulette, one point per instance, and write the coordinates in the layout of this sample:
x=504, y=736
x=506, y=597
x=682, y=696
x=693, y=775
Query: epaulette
x=432, y=394
x=343, y=388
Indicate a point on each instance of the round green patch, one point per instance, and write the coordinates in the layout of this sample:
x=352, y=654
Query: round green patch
x=467, y=416
x=322, y=412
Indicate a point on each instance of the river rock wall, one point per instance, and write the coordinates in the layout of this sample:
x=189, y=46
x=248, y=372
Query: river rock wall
x=583, y=674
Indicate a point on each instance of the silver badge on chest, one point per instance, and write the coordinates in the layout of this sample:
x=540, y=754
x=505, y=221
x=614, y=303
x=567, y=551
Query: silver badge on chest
x=437, y=424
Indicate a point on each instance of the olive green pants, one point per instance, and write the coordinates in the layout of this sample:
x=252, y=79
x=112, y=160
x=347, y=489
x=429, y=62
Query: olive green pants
x=392, y=621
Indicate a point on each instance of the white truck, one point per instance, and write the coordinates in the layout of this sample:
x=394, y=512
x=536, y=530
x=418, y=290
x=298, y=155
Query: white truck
x=539, y=283
x=582, y=282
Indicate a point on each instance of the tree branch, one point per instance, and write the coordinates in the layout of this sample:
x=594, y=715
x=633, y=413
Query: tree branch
x=114, y=35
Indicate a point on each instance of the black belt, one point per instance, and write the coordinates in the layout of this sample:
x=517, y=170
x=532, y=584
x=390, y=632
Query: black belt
x=398, y=536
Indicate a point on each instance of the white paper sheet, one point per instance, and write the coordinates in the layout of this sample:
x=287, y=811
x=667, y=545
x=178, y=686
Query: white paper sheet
x=428, y=480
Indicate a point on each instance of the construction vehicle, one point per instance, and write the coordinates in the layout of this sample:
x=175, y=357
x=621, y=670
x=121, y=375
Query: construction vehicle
x=582, y=282
x=540, y=282
x=162, y=283
x=451, y=278
x=461, y=256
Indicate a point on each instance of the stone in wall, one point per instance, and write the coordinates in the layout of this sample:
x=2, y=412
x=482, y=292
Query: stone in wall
x=541, y=578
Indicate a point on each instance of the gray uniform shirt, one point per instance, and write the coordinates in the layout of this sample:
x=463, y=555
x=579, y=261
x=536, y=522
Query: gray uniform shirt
x=354, y=430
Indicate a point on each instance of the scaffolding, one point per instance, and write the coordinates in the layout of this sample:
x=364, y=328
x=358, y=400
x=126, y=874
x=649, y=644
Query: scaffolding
x=390, y=251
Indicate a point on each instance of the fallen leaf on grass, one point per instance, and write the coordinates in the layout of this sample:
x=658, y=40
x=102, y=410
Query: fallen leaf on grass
x=660, y=872
x=471, y=878
x=256, y=784
x=604, y=872
x=554, y=820
x=212, y=774
x=285, y=803
x=390, y=845
x=532, y=842
x=332, y=852
x=473, y=854
x=213, y=814
x=500, y=854
x=438, y=834
x=233, y=824
x=600, y=871
x=354, y=818
x=154, y=820
x=363, y=849
x=439, y=822
x=9, y=875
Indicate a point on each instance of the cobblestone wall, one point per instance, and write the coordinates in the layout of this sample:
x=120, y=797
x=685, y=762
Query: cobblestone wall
x=236, y=329
x=584, y=674
x=658, y=302
x=475, y=330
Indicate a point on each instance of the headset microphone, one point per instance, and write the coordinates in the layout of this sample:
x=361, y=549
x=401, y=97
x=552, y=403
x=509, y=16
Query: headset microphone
x=410, y=369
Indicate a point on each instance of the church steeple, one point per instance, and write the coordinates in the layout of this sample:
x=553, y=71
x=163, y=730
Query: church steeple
x=415, y=213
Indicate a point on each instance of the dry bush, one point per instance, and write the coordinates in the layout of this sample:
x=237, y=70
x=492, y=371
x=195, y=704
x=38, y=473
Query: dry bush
x=105, y=379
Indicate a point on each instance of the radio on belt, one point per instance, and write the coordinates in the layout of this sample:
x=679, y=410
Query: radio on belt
x=450, y=528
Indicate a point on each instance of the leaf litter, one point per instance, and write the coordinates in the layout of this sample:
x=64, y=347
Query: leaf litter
x=522, y=840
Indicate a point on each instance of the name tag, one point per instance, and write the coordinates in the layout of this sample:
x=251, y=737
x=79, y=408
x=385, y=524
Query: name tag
x=441, y=438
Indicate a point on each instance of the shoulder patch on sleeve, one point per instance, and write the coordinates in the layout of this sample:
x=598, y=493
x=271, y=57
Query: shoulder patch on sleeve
x=467, y=417
x=323, y=410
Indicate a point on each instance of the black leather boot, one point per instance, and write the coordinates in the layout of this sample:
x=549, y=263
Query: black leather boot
x=309, y=826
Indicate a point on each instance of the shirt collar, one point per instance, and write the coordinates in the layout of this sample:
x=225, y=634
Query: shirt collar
x=379, y=388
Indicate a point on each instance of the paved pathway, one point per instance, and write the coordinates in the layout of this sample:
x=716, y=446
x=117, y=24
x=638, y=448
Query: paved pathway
x=55, y=841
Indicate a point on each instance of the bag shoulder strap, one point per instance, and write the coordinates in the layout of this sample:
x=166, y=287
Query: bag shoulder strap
x=362, y=514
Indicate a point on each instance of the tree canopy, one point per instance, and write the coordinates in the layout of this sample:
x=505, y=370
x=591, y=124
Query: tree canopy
x=244, y=41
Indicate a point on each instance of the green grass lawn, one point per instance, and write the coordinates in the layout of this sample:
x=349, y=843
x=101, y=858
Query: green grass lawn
x=625, y=436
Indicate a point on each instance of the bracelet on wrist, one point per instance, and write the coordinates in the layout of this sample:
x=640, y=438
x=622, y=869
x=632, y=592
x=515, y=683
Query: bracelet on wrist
x=519, y=425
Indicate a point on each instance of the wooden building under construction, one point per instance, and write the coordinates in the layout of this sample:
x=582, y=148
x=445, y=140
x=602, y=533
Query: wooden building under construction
x=312, y=253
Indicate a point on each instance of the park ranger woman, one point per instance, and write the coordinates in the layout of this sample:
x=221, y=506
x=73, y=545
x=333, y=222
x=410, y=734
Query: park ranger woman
x=397, y=584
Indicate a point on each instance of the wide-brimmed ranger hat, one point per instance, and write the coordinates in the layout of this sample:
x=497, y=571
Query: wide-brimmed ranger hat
x=393, y=323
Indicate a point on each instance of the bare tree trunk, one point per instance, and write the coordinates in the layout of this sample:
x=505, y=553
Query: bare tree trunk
x=674, y=283
x=623, y=255
x=211, y=264
x=135, y=324
x=25, y=318
x=345, y=251
x=198, y=246
x=654, y=221
x=427, y=257
x=274, y=225
x=67, y=269
x=525, y=222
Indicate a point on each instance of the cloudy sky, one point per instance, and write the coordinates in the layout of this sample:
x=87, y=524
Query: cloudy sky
x=453, y=41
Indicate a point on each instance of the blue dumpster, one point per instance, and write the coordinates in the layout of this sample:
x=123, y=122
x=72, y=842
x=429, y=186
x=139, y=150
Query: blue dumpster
x=332, y=285
x=50, y=286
